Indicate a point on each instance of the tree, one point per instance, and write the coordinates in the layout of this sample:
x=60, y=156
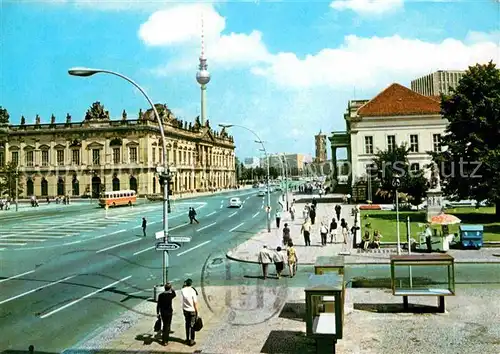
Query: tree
x=4, y=116
x=470, y=166
x=8, y=175
x=391, y=163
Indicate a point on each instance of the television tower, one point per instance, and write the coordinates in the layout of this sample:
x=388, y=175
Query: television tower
x=203, y=77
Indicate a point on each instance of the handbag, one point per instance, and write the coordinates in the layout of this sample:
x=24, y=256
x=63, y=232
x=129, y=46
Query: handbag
x=157, y=326
x=198, y=324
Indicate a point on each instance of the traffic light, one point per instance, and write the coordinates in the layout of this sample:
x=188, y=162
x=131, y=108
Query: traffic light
x=162, y=178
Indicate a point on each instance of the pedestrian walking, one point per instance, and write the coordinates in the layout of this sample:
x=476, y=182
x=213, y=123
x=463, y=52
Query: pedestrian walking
x=144, y=225
x=192, y=215
x=165, y=310
x=306, y=231
x=264, y=259
x=286, y=235
x=292, y=212
x=305, y=212
x=338, y=209
x=333, y=230
x=278, y=218
x=323, y=230
x=279, y=261
x=190, y=310
x=314, y=203
x=312, y=215
x=292, y=259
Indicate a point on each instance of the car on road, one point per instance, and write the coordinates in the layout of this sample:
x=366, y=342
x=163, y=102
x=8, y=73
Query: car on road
x=235, y=203
x=261, y=193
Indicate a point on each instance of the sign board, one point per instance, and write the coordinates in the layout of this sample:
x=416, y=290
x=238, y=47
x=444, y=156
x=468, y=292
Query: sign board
x=162, y=246
x=160, y=234
x=179, y=239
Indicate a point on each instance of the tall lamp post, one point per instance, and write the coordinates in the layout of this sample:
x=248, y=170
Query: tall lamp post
x=396, y=183
x=287, y=174
x=259, y=141
x=84, y=72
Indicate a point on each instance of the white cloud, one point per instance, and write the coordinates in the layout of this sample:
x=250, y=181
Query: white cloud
x=476, y=37
x=365, y=7
x=374, y=62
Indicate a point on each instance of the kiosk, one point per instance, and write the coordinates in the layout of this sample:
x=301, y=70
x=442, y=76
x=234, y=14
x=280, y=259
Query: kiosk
x=325, y=310
x=471, y=236
x=329, y=264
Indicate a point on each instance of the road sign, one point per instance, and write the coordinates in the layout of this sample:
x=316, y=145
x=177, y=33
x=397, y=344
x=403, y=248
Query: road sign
x=179, y=239
x=162, y=246
x=160, y=234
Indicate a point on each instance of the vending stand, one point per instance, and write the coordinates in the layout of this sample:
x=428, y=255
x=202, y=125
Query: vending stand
x=471, y=236
x=325, y=265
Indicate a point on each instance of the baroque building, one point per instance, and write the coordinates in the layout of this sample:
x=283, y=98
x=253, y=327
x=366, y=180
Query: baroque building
x=320, y=144
x=99, y=154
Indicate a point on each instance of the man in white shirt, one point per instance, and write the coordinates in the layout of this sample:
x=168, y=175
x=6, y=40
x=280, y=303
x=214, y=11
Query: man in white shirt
x=265, y=257
x=190, y=309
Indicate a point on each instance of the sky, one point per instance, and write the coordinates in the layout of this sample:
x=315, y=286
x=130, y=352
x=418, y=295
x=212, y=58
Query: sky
x=284, y=69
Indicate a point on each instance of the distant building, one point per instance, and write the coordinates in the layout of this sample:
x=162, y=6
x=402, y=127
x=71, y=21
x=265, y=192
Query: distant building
x=251, y=162
x=438, y=82
x=320, y=142
x=294, y=162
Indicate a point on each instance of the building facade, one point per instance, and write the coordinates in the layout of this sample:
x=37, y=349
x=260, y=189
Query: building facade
x=99, y=154
x=395, y=116
x=295, y=163
x=438, y=82
x=320, y=144
x=251, y=162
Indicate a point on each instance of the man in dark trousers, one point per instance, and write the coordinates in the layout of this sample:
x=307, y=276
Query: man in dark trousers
x=164, y=310
x=338, y=208
x=144, y=225
x=192, y=215
x=312, y=215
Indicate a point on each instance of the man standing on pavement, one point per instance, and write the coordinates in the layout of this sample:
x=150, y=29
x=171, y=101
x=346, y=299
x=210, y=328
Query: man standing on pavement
x=190, y=310
x=164, y=310
x=265, y=258
x=292, y=212
x=338, y=208
x=278, y=218
x=306, y=230
x=144, y=225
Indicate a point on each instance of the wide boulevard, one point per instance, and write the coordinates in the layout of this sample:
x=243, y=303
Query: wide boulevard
x=66, y=270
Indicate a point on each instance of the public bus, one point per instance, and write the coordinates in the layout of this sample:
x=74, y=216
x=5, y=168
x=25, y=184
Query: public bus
x=116, y=198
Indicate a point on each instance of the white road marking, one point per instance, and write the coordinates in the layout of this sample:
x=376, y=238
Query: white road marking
x=254, y=215
x=13, y=238
x=34, y=290
x=16, y=276
x=12, y=244
x=234, y=228
x=1, y=249
x=189, y=274
x=144, y=250
x=176, y=227
x=83, y=297
x=112, y=233
x=212, y=213
x=176, y=279
x=204, y=227
x=30, y=236
x=233, y=214
x=221, y=206
x=192, y=248
x=72, y=243
x=118, y=245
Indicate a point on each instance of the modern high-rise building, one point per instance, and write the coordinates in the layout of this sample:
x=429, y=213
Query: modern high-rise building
x=294, y=162
x=438, y=82
x=320, y=142
x=251, y=162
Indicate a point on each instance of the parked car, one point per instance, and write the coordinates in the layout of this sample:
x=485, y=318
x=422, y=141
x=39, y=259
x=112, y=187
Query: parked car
x=261, y=193
x=235, y=203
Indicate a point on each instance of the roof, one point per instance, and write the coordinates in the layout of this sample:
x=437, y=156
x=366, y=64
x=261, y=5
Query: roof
x=397, y=100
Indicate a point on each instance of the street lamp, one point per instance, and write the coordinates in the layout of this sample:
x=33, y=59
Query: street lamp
x=84, y=72
x=259, y=141
x=396, y=183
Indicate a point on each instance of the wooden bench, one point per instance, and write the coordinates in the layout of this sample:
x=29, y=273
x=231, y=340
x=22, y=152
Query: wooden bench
x=415, y=261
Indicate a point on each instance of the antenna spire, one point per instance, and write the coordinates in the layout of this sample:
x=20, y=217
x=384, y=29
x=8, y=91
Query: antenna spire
x=202, y=37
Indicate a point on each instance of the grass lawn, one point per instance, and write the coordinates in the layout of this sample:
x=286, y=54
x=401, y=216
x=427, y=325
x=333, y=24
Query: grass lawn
x=385, y=222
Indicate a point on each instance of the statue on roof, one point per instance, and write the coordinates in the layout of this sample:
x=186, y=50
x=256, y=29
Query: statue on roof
x=68, y=118
x=124, y=115
x=4, y=116
x=190, y=127
x=23, y=120
x=37, y=120
x=197, y=123
x=140, y=114
x=223, y=132
x=97, y=112
x=52, y=119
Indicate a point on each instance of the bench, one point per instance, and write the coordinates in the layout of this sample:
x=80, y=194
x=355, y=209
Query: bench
x=435, y=261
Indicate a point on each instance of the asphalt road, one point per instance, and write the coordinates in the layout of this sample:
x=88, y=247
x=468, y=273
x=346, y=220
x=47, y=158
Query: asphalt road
x=67, y=270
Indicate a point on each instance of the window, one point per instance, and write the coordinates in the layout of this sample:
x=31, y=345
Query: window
x=29, y=158
x=45, y=157
x=96, y=156
x=2, y=158
x=153, y=155
x=116, y=155
x=133, y=154
x=415, y=167
x=414, y=143
x=436, y=140
x=60, y=157
x=391, y=142
x=368, y=144
x=75, y=158
x=15, y=157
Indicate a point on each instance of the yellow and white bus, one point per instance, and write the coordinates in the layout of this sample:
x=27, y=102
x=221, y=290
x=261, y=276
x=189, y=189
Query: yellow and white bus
x=116, y=198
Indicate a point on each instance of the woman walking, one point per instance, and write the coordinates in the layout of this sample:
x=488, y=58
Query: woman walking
x=292, y=259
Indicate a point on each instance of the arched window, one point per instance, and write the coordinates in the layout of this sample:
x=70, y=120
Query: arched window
x=45, y=187
x=133, y=183
x=96, y=187
x=30, y=190
x=60, y=186
x=75, y=186
x=116, y=184
x=154, y=185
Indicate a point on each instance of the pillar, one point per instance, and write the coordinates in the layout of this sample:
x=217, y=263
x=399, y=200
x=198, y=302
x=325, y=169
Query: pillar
x=334, y=162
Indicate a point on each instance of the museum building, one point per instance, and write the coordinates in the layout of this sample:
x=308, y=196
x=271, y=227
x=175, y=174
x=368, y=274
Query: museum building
x=99, y=154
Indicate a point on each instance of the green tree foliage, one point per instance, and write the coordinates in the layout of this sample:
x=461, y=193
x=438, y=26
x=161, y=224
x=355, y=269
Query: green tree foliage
x=4, y=116
x=470, y=165
x=389, y=164
x=8, y=175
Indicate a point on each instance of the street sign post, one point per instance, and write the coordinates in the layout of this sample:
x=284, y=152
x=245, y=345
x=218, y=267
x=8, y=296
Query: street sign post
x=160, y=234
x=179, y=239
x=162, y=246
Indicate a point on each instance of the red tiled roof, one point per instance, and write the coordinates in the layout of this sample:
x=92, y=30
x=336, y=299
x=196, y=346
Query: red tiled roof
x=397, y=100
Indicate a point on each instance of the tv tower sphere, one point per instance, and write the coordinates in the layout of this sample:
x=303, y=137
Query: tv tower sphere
x=203, y=77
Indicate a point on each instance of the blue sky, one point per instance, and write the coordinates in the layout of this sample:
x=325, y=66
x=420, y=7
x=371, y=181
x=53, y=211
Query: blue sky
x=285, y=68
